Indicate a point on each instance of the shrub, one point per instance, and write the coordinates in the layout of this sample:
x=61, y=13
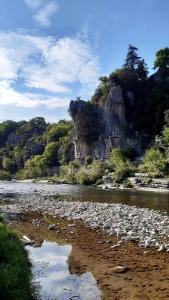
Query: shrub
x=82, y=177
x=8, y=164
x=51, y=152
x=122, y=173
x=122, y=167
x=155, y=162
x=4, y=175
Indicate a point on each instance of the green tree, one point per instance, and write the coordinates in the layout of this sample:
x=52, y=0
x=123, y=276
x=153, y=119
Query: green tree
x=51, y=152
x=142, y=70
x=154, y=162
x=132, y=58
x=56, y=131
x=8, y=164
x=162, y=59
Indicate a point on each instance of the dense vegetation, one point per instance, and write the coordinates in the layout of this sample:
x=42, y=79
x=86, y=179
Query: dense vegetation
x=15, y=269
x=36, y=149
x=31, y=149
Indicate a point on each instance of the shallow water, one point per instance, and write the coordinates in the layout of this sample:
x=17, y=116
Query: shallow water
x=159, y=201
x=51, y=274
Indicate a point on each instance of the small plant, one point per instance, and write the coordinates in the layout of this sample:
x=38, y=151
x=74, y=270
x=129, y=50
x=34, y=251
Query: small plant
x=128, y=184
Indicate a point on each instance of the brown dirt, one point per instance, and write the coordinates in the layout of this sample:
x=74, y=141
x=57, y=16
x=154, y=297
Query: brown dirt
x=146, y=276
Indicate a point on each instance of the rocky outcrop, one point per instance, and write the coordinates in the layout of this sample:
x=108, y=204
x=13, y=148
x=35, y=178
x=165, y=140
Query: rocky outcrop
x=113, y=133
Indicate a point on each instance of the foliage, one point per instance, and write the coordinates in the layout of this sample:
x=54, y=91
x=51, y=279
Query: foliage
x=15, y=271
x=132, y=58
x=35, y=167
x=56, y=131
x=51, y=152
x=122, y=167
x=8, y=164
x=142, y=70
x=6, y=128
x=162, y=59
x=155, y=162
x=88, y=124
x=90, y=174
x=4, y=175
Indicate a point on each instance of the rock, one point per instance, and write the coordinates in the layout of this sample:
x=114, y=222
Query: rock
x=120, y=269
x=26, y=241
x=162, y=248
x=52, y=227
x=111, y=126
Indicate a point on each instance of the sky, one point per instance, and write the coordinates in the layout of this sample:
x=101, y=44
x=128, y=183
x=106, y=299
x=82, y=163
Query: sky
x=52, y=51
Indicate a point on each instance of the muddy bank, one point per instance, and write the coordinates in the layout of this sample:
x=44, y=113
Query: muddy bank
x=145, y=273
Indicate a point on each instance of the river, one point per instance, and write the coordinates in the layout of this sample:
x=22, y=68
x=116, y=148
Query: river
x=56, y=261
x=154, y=200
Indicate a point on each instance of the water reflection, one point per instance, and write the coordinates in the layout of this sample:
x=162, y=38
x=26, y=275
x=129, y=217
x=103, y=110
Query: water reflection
x=51, y=274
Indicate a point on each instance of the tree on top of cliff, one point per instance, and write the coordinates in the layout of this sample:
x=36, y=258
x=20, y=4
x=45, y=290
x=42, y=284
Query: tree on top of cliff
x=142, y=70
x=132, y=58
x=162, y=59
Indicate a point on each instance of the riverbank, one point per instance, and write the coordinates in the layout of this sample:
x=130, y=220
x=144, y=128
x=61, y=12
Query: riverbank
x=15, y=268
x=123, y=272
x=105, y=186
x=146, y=227
x=102, y=234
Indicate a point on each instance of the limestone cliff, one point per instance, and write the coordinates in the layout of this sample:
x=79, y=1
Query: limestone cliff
x=111, y=121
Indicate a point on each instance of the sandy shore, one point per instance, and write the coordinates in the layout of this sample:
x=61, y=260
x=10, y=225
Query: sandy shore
x=146, y=273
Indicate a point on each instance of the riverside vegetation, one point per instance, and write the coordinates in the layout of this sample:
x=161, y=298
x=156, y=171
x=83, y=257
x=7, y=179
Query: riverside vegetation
x=36, y=149
x=15, y=268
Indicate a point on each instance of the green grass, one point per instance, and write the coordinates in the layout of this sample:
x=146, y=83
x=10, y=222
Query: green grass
x=15, y=268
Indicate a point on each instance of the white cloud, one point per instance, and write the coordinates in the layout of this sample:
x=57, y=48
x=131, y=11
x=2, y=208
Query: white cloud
x=34, y=4
x=43, y=16
x=8, y=96
x=44, y=64
x=43, y=11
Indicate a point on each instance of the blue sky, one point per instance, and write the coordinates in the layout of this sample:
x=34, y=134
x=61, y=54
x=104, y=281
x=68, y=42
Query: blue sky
x=52, y=51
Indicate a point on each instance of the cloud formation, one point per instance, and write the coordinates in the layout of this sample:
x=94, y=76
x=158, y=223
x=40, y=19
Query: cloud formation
x=46, y=67
x=43, y=16
x=34, y=4
x=42, y=11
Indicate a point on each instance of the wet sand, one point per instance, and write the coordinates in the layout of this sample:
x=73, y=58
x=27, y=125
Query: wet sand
x=145, y=274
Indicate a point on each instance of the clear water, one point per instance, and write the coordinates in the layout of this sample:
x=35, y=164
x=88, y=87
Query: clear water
x=159, y=201
x=52, y=276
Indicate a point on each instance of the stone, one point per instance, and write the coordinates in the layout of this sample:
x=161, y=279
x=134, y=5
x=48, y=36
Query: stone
x=120, y=269
x=52, y=227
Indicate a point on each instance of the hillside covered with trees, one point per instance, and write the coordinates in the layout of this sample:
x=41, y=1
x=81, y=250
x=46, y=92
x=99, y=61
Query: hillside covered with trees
x=36, y=149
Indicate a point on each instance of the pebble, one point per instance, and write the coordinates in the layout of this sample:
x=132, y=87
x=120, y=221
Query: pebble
x=147, y=227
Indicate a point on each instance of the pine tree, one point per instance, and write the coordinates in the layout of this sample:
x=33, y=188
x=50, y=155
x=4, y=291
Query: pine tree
x=142, y=70
x=132, y=58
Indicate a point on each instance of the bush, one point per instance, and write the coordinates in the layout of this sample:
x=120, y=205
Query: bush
x=82, y=177
x=4, y=175
x=8, y=164
x=122, y=166
x=51, y=152
x=154, y=162
x=90, y=174
x=128, y=184
x=122, y=173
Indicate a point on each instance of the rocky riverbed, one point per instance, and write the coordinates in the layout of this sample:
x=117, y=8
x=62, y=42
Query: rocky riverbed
x=147, y=227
